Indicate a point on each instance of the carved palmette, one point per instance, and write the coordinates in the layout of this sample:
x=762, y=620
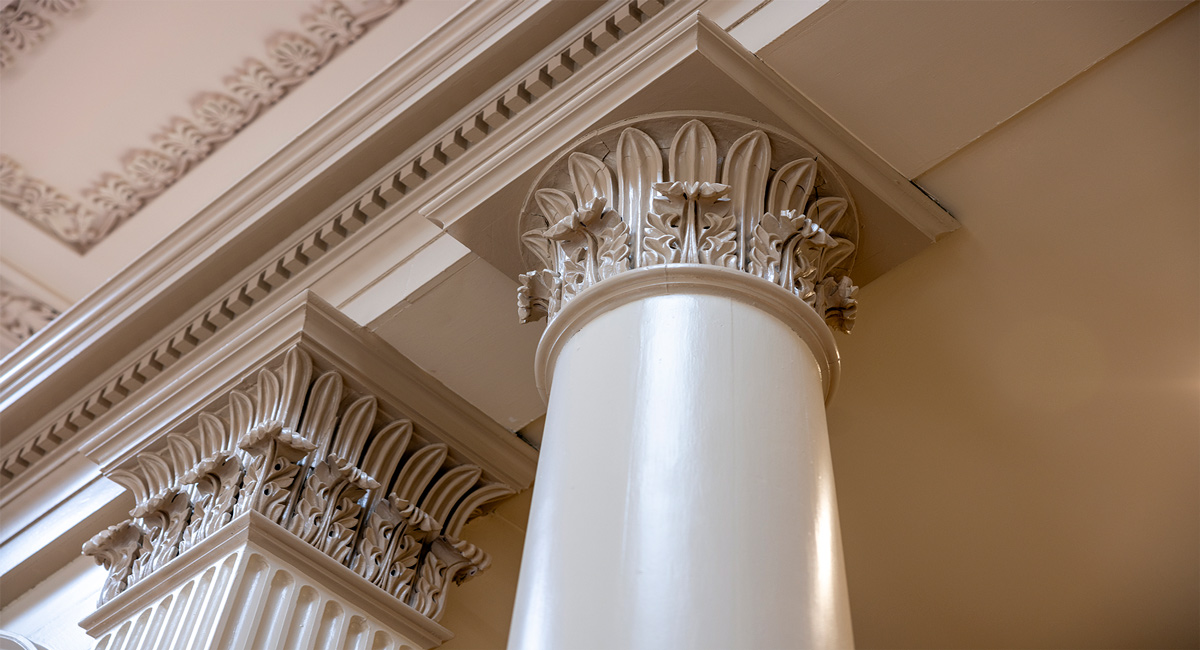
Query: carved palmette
x=732, y=206
x=299, y=452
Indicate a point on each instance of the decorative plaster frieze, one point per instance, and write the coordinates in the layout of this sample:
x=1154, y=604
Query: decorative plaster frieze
x=407, y=177
x=775, y=210
x=25, y=23
x=22, y=315
x=291, y=58
x=308, y=453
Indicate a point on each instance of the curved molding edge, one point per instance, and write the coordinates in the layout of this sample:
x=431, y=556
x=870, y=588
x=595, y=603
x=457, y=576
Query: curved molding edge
x=696, y=279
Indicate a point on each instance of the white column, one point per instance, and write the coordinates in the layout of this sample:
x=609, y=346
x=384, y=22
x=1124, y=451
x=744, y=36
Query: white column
x=691, y=269
x=684, y=495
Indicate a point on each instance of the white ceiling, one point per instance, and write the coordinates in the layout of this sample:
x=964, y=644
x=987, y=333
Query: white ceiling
x=917, y=81
x=112, y=73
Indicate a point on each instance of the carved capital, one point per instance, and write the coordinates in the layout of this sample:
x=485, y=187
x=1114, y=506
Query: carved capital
x=319, y=457
x=669, y=189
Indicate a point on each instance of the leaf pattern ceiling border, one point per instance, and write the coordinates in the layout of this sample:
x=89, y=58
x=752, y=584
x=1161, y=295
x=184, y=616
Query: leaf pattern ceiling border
x=25, y=23
x=182, y=143
x=21, y=314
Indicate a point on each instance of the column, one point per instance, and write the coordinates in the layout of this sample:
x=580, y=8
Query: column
x=684, y=495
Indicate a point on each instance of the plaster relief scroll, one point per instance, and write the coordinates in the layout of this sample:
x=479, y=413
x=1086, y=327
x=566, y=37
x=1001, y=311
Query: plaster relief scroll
x=665, y=190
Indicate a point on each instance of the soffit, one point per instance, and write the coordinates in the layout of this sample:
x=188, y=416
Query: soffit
x=696, y=68
x=917, y=81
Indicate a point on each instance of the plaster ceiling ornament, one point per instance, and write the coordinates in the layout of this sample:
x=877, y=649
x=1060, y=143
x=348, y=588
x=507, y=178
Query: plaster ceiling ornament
x=25, y=23
x=322, y=462
x=291, y=58
x=22, y=315
x=668, y=189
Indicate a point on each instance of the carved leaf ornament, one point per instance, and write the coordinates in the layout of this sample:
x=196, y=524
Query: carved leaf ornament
x=788, y=222
x=323, y=464
x=291, y=58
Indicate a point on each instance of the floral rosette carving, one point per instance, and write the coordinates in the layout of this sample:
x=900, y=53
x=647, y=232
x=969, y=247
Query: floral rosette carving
x=733, y=201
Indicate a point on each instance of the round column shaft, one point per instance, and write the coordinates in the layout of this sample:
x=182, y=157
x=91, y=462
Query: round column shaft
x=684, y=494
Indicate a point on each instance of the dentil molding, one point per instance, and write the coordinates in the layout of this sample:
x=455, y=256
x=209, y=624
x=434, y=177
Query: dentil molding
x=25, y=23
x=727, y=194
x=291, y=58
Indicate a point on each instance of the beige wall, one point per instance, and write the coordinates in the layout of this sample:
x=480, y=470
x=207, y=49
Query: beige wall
x=1017, y=436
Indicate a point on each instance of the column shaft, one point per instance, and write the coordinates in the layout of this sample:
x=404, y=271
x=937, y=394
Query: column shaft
x=684, y=495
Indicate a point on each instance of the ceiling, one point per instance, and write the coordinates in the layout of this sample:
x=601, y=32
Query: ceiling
x=108, y=79
x=1017, y=434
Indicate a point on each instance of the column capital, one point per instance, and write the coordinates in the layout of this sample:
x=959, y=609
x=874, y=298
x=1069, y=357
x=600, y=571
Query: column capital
x=703, y=189
x=318, y=449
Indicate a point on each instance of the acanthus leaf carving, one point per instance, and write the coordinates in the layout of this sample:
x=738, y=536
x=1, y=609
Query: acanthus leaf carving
x=115, y=549
x=787, y=220
x=324, y=464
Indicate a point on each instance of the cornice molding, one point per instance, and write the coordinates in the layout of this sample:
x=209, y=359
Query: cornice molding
x=183, y=142
x=613, y=25
x=25, y=23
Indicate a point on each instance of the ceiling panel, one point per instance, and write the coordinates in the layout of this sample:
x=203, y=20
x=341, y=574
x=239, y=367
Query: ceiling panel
x=916, y=81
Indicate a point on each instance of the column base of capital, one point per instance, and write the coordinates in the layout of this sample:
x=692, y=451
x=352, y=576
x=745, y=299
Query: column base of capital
x=683, y=279
x=255, y=585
